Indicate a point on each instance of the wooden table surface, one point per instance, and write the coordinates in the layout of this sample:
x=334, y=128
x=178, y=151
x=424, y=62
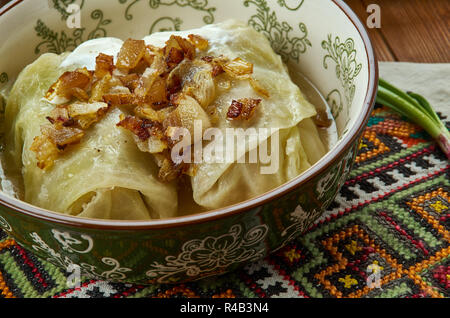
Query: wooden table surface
x=411, y=30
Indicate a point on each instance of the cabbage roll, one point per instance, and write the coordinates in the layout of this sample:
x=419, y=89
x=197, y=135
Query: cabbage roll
x=105, y=176
x=285, y=109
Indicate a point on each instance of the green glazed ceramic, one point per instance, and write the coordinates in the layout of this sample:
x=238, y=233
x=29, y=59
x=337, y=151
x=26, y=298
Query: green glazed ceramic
x=322, y=38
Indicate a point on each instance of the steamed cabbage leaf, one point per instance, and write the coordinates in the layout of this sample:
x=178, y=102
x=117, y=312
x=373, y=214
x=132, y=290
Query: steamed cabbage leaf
x=286, y=110
x=105, y=176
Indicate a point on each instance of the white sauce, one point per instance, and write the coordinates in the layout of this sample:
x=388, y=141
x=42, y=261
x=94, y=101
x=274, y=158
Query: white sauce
x=85, y=54
x=216, y=36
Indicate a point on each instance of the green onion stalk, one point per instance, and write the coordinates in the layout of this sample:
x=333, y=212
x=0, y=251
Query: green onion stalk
x=417, y=109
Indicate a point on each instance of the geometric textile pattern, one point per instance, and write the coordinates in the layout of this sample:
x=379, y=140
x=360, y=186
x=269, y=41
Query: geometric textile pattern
x=387, y=234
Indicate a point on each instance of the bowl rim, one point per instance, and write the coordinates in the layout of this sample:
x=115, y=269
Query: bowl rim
x=324, y=163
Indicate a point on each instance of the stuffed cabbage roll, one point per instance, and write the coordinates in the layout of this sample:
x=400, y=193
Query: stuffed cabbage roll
x=104, y=176
x=282, y=108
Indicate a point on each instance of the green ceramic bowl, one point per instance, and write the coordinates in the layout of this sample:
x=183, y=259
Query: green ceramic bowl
x=322, y=38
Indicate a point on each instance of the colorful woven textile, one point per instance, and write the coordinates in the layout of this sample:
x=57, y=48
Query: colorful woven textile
x=386, y=235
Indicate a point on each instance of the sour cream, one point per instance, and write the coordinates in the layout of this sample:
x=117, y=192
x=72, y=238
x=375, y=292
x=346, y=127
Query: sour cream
x=86, y=53
x=217, y=36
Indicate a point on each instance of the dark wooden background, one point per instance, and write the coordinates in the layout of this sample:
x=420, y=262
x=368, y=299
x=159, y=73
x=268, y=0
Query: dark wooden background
x=411, y=30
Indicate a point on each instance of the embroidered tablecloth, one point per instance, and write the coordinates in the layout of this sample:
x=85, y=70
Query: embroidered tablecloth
x=385, y=235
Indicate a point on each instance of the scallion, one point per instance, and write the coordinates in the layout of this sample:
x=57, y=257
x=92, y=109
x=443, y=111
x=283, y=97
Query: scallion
x=417, y=109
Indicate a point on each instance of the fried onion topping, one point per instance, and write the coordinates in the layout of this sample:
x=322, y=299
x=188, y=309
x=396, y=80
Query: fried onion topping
x=164, y=88
x=243, y=108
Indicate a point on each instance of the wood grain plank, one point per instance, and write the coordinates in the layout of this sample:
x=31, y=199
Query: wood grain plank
x=416, y=30
x=382, y=49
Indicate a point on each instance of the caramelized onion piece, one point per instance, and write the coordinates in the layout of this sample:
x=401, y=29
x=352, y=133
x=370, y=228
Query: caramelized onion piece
x=87, y=114
x=143, y=128
x=100, y=88
x=119, y=99
x=80, y=94
x=175, y=78
x=186, y=114
x=145, y=84
x=198, y=42
x=174, y=57
x=243, y=108
x=148, y=134
x=216, y=63
x=186, y=46
x=170, y=171
x=151, y=88
x=70, y=84
x=194, y=78
x=46, y=152
x=136, y=126
x=238, y=68
x=202, y=87
x=176, y=50
x=104, y=65
x=131, y=81
x=131, y=53
x=147, y=112
x=258, y=88
x=51, y=142
x=157, y=95
x=63, y=136
x=68, y=121
x=59, y=116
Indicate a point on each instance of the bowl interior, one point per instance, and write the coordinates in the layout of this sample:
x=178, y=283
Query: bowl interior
x=315, y=37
